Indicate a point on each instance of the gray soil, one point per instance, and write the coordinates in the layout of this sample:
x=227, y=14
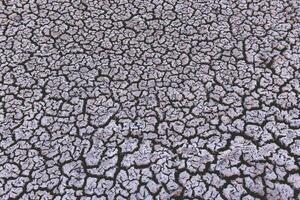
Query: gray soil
x=149, y=99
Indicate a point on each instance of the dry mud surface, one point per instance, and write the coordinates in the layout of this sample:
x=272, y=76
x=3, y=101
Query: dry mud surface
x=158, y=99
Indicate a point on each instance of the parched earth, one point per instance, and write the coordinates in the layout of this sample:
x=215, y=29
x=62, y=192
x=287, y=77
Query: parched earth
x=149, y=99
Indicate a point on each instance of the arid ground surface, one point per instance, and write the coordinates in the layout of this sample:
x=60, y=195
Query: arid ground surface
x=141, y=100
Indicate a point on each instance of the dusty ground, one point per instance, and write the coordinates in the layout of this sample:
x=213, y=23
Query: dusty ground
x=161, y=99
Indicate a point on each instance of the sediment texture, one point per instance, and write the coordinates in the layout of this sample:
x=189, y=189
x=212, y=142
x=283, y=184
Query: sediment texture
x=158, y=99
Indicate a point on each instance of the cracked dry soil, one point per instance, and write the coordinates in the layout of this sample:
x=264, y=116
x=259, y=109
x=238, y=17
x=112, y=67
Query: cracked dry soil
x=149, y=99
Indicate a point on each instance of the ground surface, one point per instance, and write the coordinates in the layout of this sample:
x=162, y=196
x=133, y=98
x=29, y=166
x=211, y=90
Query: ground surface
x=158, y=99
